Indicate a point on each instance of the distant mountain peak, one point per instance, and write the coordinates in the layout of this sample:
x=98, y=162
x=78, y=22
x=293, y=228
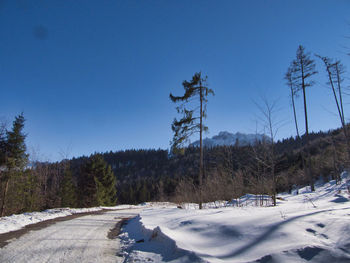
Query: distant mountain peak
x=227, y=138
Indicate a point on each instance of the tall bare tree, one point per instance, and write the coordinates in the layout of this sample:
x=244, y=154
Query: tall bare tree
x=335, y=70
x=293, y=94
x=302, y=69
x=192, y=119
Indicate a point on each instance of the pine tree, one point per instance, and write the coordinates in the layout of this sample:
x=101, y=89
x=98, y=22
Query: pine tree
x=68, y=190
x=2, y=145
x=98, y=183
x=30, y=190
x=301, y=70
x=16, y=158
x=109, y=183
x=192, y=120
x=87, y=186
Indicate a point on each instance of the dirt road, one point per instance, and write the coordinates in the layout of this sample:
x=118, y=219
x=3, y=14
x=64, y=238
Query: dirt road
x=89, y=238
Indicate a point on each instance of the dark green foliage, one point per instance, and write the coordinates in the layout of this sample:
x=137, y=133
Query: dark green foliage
x=87, y=186
x=68, y=191
x=13, y=155
x=31, y=191
x=2, y=144
x=97, y=183
x=15, y=146
x=109, y=186
x=189, y=124
x=192, y=119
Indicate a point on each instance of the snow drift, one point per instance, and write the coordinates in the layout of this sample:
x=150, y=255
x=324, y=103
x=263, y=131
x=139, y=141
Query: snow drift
x=309, y=227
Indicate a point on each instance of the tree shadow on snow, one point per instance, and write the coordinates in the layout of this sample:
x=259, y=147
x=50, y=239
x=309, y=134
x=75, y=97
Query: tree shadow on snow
x=271, y=230
x=156, y=242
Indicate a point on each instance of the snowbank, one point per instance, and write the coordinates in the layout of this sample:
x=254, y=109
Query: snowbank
x=309, y=227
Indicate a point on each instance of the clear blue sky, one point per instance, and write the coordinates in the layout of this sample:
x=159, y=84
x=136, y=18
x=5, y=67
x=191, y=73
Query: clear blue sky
x=96, y=75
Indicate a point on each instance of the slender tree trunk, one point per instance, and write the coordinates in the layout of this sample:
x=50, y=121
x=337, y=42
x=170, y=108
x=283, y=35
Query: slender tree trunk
x=273, y=163
x=269, y=110
x=340, y=107
x=340, y=93
x=305, y=113
x=201, y=147
x=339, y=103
x=3, y=206
x=308, y=161
x=342, y=117
x=295, y=115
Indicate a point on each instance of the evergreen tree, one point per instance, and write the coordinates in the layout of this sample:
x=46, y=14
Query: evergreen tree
x=2, y=145
x=98, y=183
x=68, y=190
x=192, y=120
x=30, y=190
x=15, y=154
x=109, y=184
x=87, y=186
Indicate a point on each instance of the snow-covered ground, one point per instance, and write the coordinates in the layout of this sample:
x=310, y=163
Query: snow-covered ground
x=308, y=227
x=88, y=238
x=15, y=222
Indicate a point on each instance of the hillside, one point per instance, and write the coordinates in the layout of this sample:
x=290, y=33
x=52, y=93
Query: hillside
x=225, y=138
x=150, y=175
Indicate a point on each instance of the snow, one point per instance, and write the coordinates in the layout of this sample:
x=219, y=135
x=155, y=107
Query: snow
x=15, y=222
x=309, y=227
x=227, y=138
x=82, y=239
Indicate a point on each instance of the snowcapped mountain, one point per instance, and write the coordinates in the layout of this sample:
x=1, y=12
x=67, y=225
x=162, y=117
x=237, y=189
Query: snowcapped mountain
x=227, y=138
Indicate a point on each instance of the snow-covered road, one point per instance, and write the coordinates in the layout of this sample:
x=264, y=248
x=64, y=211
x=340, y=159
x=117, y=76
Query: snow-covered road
x=83, y=239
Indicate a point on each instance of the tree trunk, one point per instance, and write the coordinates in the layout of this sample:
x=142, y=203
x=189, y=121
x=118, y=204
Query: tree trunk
x=339, y=105
x=342, y=117
x=308, y=161
x=3, y=206
x=295, y=115
x=201, y=147
x=305, y=114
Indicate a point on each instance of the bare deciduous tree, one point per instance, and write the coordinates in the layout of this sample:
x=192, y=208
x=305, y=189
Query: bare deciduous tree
x=271, y=125
x=335, y=70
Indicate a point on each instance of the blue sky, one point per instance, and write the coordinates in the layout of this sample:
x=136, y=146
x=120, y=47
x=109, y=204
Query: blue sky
x=96, y=75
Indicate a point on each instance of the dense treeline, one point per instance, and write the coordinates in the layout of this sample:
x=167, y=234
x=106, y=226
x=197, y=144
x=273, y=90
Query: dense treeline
x=145, y=175
x=135, y=176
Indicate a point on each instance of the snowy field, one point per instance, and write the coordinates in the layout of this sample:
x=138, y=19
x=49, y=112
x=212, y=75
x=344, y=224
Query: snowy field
x=309, y=227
